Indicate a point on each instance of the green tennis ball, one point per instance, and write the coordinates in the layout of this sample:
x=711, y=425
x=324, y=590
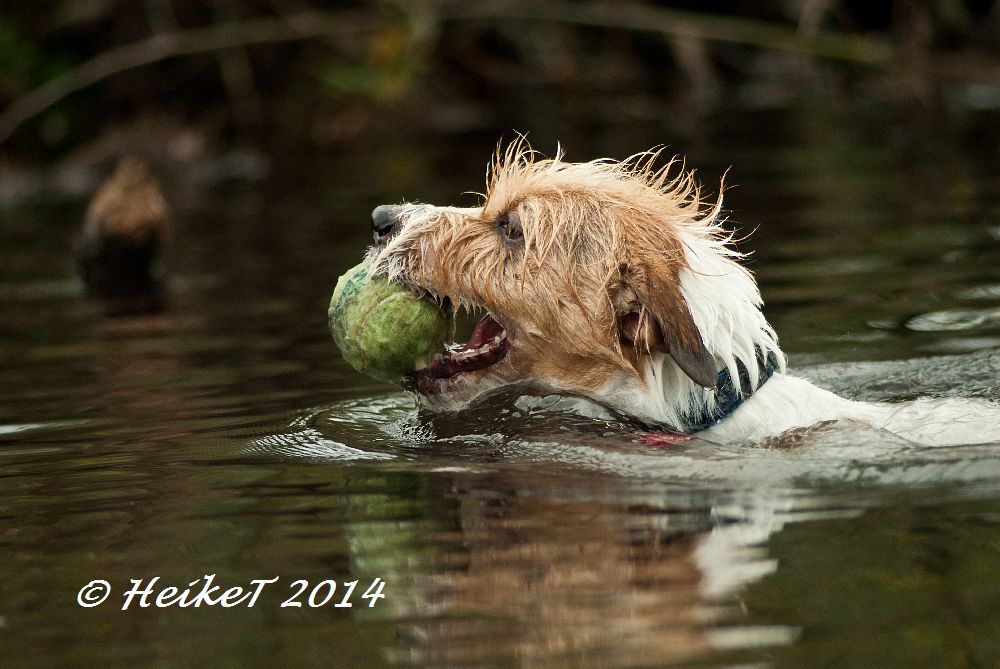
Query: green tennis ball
x=383, y=329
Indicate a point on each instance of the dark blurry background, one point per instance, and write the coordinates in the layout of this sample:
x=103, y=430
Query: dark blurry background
x=293, y=73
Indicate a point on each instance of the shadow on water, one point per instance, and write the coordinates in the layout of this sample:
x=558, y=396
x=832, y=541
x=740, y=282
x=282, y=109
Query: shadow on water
x=225, y=436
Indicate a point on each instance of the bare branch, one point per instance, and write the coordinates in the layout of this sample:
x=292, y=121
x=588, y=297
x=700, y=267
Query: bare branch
x=303, y=26
x=863, y=50
x=857, y=49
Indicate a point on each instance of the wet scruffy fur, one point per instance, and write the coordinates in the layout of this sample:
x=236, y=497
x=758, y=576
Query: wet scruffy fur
x=616, y=282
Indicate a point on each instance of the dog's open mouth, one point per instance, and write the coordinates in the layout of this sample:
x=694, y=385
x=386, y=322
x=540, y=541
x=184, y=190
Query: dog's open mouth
x=486, y=346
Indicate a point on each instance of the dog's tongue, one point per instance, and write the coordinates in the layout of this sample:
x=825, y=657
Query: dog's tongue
x=485, y=332
x=486, y=345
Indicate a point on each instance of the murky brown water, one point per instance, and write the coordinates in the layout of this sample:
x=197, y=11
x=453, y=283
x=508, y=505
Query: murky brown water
x=226, y=437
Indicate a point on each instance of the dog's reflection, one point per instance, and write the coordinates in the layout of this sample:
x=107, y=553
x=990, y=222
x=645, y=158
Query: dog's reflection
x=547, y=576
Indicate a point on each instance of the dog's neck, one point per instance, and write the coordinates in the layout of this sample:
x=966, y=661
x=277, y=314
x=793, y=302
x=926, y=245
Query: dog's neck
x=730, y=392
x=725, y=303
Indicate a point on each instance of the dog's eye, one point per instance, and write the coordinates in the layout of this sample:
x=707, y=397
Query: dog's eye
x=509, y=227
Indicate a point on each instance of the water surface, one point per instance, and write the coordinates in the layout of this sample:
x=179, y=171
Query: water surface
x=224, y=436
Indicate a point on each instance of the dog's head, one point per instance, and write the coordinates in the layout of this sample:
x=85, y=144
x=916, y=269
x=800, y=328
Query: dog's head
x=582, y=272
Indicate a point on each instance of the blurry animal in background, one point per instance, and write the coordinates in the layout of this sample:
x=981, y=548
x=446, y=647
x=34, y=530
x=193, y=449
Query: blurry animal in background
x=126, y=227
x=614, y=282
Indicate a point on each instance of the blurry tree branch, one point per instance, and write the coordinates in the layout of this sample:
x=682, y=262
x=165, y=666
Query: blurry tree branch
x=865, y=50
x=162, y=46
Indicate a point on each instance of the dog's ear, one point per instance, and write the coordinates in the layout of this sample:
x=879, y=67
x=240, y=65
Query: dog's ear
x=663, y=322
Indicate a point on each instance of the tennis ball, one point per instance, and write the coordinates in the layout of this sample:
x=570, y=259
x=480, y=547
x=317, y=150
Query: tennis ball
x=383, y=329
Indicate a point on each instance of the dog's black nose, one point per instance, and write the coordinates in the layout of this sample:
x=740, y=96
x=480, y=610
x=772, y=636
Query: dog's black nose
x=384, y=219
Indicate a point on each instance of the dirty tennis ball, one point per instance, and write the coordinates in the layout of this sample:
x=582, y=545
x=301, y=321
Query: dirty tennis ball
x=384, y=329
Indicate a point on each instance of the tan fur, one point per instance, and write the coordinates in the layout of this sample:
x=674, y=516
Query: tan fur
x=600, y=255
x=129, y=205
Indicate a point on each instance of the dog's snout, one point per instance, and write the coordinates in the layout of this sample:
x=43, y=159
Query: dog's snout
x=384, y=220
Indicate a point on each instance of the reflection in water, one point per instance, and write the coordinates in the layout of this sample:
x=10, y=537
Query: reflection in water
x=562, y=540
x=546, y=580
x=226, y=436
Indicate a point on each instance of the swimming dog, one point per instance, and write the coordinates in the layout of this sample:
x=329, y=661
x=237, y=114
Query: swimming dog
x=615, y=281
